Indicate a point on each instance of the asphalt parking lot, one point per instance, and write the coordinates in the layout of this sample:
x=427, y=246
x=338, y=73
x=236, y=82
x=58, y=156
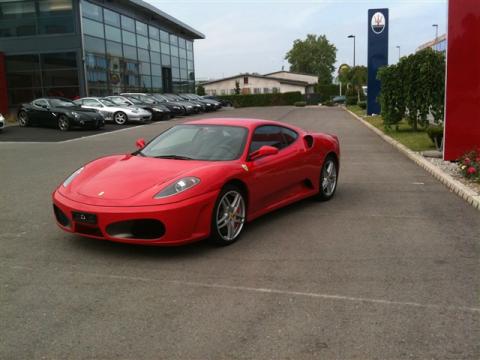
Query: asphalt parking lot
x=43, y=134
x=389, y=269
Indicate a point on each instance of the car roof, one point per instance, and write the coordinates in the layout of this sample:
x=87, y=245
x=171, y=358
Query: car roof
x=244, y=122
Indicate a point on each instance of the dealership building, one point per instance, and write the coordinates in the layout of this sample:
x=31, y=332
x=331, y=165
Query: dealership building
x=77, y=48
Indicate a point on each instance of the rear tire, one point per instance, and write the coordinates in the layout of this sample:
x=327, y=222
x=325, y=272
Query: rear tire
x=23, y=119
x=328, y=179
x=228, y=217
x=120, y=118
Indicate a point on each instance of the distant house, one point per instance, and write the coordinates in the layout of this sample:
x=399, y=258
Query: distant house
x=438, y=44
x=277, y=82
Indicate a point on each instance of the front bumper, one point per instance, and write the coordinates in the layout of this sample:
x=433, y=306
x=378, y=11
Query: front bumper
x=183, y=222
x=140, y=117
x=88, y=122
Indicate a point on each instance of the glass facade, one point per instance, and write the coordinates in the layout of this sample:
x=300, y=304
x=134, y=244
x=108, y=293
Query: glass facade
x=35, y=75
x=36, y=17
x=124, y=54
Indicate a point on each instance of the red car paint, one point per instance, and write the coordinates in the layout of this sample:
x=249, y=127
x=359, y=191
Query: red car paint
x=129, y=184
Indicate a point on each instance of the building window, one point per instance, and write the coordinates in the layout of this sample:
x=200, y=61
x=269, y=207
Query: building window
x=111, y=17
x=245, y=80
x=266, y=91
x=275, y=90
x=256, y=91
x=27, y=18
x=93, y=28
x=92, y=11
x=128, y=23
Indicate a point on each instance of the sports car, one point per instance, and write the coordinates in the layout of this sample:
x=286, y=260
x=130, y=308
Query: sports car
x=58, y=112
x=120, y=115
x=2, y=122
x=201, y=179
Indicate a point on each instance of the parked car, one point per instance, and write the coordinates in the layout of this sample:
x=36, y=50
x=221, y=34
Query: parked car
x=175, y=109
x=339, y=99
x=158, y=112
x=58, y=112
x=223, y=102
x=2, y=122
x=120, y=115
x=189, y=107
x=211, y=105
x=205, y=178
x=195, y=107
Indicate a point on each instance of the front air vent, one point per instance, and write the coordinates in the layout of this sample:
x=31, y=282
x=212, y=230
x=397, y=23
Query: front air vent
x=308, y=139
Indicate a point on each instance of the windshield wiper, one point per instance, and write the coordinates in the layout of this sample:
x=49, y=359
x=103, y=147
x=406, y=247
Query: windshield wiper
x=176, y=157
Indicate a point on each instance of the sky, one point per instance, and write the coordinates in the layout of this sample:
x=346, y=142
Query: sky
x=254, y=36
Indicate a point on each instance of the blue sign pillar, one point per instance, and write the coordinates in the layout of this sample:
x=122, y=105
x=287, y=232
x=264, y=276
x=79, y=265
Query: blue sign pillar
x=377, y=54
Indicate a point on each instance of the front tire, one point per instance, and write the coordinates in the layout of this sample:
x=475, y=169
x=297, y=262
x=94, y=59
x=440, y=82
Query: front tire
x=120, y=118
x=228, y=218
x=23, y=119
x=63, y=123
x=328, y=179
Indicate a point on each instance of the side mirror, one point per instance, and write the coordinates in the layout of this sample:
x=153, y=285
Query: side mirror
x=140, y=144
x=263, y=151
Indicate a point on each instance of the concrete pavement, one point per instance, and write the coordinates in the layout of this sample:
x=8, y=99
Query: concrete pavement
x=389, y=269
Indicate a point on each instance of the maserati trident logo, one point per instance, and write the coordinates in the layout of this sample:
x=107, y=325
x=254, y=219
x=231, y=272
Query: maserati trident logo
x=378, y=23
x=101, y=193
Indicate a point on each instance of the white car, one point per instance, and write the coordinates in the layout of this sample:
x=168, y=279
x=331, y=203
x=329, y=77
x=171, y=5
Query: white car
x=120, y=115
x=2, y=122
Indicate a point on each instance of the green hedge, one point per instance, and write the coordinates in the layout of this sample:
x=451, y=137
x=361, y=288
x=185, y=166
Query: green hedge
x=351, y=100
x=288, y=98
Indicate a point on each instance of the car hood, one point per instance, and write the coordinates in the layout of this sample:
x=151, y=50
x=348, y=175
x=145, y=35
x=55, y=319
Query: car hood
x=127, y=180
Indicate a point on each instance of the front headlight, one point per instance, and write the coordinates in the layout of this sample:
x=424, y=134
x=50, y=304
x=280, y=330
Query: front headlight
x=178, y=187
x=73, y=176
x=157, y=109
x=176, y=107
x=75, y=114
x=2, y=118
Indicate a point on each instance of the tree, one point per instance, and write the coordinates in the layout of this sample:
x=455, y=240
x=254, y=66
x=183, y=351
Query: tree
x=237, y=87
x=200, y=90
x=357, y=77
x=314, y=55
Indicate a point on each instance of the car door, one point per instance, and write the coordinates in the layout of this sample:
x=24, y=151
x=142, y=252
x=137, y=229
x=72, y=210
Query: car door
x=40, y=113
x=273, y=177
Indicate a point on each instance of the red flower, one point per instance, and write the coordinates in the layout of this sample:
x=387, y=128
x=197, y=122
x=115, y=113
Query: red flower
x=471, y=170
x=466, y=161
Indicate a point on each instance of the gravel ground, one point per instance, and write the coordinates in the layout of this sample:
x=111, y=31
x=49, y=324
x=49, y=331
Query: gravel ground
x=452, y=169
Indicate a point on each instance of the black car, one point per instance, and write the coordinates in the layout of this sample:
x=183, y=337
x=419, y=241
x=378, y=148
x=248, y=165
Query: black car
x=192, y=108
x=175, y=109
x=211, y=104
x=189, y=107
x=222, y=102
x=204, y=105
x=58, y=112
x=159, y=112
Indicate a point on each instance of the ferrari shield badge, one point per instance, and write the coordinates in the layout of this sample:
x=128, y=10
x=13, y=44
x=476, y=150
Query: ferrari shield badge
x=245, y=167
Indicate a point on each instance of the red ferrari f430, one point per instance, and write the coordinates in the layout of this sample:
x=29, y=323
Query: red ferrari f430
x=201, y=179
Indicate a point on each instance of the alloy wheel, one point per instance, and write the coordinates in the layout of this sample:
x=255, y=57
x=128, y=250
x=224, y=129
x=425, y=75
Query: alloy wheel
x=120, y=118
x=329, y=177
x=230, y=215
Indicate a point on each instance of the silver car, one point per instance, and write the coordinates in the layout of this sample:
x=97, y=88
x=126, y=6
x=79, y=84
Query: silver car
x=119, y=114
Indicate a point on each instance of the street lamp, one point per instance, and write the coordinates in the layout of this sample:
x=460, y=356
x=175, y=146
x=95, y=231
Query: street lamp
x=436, y=31
x=398, y=47
x=350, y=37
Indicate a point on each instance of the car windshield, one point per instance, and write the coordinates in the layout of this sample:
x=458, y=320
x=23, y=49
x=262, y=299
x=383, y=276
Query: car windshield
x=172, y=97
x=62, y=103
x=198, y=142
x=147, y=99
x=159, y=98
x=107, y=102
x=134, y=101
x=119, y=101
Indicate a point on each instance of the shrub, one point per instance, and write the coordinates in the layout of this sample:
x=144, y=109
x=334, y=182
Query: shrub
x=351, y=100
x=470, y=165
x=435, y=133
x=362, y=104
x=288, y=98
x=300, y=103
x=328, y=103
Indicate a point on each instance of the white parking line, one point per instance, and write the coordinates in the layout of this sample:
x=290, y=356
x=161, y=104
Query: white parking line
x=102, y=134
x=279, y=292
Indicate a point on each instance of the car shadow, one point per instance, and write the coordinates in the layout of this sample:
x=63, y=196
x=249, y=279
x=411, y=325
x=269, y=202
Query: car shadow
x=197, y=249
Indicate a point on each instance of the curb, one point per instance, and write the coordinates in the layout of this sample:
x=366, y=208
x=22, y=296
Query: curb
x=453, y=185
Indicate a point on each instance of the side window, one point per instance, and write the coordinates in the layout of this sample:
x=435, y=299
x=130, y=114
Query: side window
x=267, y=135
x=40, y=103
x=91, y=102
x=289, y=136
